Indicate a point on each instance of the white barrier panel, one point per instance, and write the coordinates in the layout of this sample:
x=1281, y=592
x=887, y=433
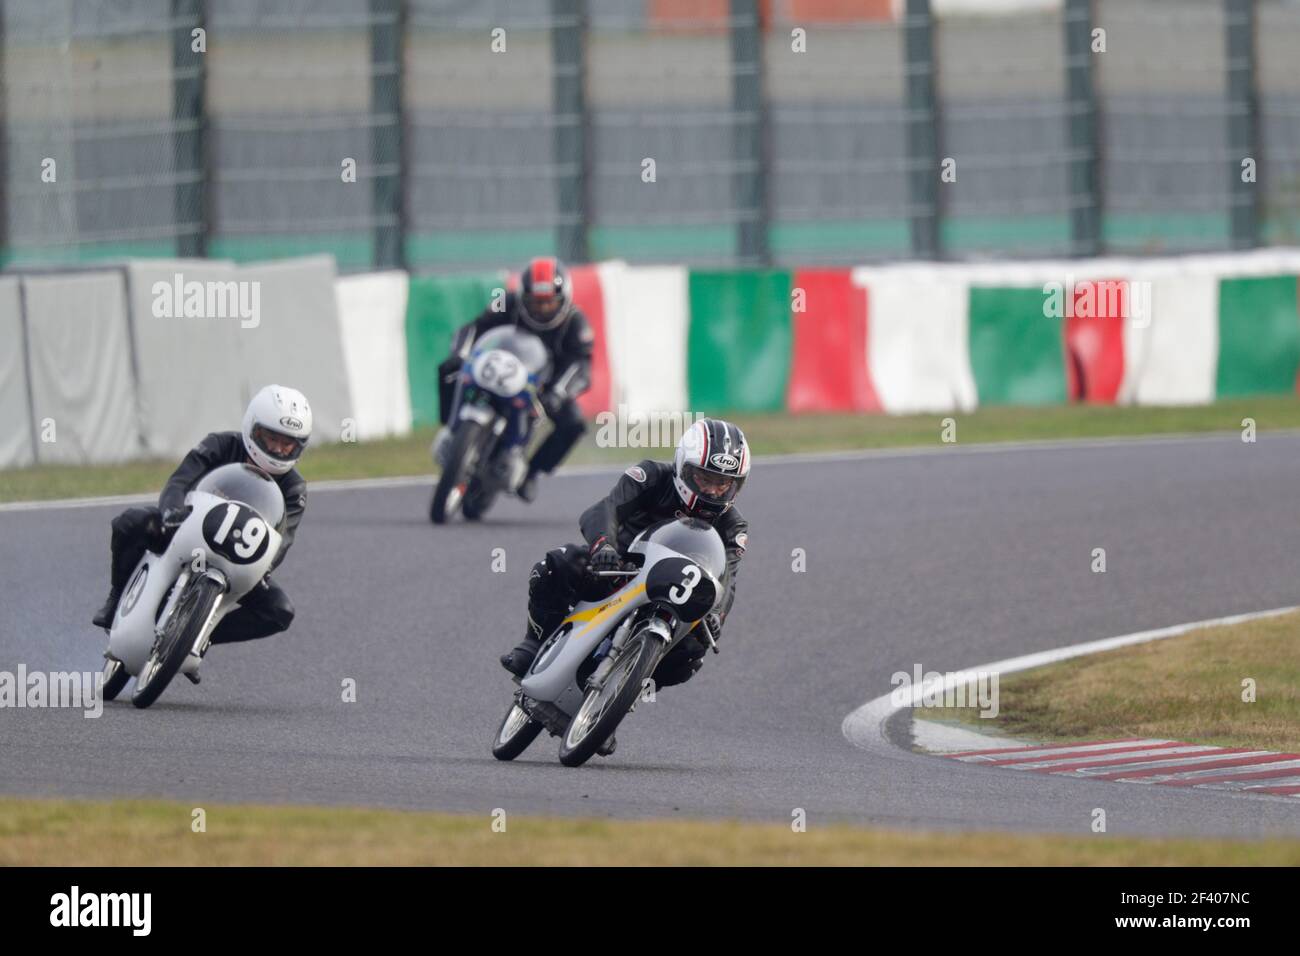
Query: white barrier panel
x=185, y=321
x=646, y=309
x=917, y=347
x=296, y=341
x=372, y=324
x=15, y=417
x=1173, y=359
x=83, y=396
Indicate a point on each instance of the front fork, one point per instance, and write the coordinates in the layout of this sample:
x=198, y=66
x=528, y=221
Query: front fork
x=656, y=625
x=182, y=582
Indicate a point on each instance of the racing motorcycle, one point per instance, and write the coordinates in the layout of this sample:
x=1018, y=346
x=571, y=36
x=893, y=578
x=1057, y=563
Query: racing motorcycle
x=493, y=412
x=591, y=671
x=175, y=598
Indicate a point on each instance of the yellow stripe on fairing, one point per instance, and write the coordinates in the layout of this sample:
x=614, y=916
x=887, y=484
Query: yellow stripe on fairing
x=594, y=615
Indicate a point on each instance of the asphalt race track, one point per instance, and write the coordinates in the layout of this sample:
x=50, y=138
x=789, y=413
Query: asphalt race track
x=948, y=558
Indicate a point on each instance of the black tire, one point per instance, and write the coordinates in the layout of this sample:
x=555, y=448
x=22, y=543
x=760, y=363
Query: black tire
x=636, y=661
x=462, y=459
x=182, y=628
x=511, y=741
x=477, y=501
x=115, y=678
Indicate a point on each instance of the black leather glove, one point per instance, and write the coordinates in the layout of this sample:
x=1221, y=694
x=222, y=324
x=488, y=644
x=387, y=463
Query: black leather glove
x=449, y=367
x=604, y=556
x=714, y=621
x=173, y=518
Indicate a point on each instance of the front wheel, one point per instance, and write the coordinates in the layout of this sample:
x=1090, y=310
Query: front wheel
x=179, y=635
x=605, y=707
x=477, y=500
x=115, y=678
x=516, y=732
x=462, y=459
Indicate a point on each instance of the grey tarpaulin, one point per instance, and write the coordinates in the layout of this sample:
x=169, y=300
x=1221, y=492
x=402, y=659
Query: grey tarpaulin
x=83, y=396
x=15, y=416
x=190, y=370
x=297, y=341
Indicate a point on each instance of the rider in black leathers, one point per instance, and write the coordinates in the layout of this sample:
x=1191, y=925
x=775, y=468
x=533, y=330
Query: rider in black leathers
x=544, y=306
x=710, y=466
x=276, y=429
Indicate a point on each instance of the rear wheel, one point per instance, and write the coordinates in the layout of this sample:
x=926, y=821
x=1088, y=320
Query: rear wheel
x=516, y=732
x=177, y=639
x=605, y=707
x=462, y=460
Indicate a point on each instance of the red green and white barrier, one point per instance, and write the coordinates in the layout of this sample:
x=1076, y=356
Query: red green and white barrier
x=907, y=338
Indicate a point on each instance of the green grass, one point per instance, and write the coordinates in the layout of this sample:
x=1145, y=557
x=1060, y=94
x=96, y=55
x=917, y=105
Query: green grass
x=157, y=832
x=768, y=434
x=1185, y=688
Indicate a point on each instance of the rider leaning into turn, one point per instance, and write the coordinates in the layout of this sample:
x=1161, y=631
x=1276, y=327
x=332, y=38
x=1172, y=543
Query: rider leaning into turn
x=276, y=428
x=544, y=306
x=706, y=474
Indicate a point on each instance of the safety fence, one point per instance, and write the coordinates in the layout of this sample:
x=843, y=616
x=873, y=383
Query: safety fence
x=140, y=360
x=446, y=135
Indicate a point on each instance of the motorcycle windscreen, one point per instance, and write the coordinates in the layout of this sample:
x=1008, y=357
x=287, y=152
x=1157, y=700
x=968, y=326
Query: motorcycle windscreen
x=249, y=486
x=523, y=345
x=694, y=539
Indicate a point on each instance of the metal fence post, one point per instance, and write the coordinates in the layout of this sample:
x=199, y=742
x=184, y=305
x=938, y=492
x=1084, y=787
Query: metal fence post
x=750, y=118
x=1082, y=132
x=387, y=155
x=1243, y=121
x=922, y=129
x=189, y=113
x=569, y=110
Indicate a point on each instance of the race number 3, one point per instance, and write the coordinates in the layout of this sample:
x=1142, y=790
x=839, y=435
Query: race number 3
x=682, y=593
x=685, y=585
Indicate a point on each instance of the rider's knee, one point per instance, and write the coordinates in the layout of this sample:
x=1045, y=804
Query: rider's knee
x=572, y=421
x=135, y=524
x=278, y=609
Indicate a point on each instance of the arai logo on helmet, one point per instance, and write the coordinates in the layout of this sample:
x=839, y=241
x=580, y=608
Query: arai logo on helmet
x=290, y=422
x=725, y=461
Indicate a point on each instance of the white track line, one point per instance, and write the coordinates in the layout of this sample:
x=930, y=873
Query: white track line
x=794, y=458
x=865, y=726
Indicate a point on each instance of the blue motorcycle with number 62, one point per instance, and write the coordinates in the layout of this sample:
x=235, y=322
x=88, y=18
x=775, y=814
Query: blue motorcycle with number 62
x=493, y=414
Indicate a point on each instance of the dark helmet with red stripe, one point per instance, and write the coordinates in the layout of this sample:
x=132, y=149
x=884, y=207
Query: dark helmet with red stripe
x=710, y=467
x=545, y=294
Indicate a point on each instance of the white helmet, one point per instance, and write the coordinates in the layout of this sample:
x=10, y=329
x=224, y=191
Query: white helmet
x=277, y=427
x=710, y=467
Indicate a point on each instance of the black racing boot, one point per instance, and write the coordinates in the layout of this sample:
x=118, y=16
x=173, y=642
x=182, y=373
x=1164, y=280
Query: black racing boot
x=527, y=490
x=521, y=658
x=122, y=562
x=104, y=616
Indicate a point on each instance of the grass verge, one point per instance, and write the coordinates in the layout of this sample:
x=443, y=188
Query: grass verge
x=1185, y=688
x=768, y=434
x=151, y=832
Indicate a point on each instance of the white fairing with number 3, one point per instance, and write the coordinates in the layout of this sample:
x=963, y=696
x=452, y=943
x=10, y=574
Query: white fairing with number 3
x=684, y=561
x=223, y=538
